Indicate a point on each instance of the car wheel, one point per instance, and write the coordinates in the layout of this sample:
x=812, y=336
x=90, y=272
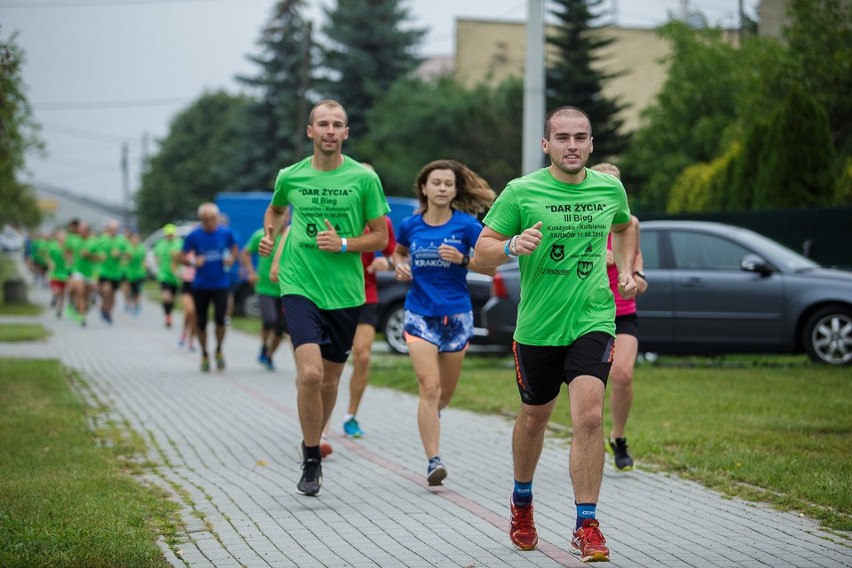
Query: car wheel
x=393, y=327
x=828, y=336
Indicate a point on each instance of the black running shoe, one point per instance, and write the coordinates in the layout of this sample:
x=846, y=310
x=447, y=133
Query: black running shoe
x=623, y=461
x=311, y=477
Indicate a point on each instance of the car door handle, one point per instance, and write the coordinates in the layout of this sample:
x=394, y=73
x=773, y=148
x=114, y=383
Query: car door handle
x=692, y=283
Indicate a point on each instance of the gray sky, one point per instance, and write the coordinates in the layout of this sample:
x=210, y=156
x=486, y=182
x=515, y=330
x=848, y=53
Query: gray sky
x=101, y=73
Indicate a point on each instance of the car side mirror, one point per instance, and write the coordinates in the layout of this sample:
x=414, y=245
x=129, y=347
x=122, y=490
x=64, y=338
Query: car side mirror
x=753, y=263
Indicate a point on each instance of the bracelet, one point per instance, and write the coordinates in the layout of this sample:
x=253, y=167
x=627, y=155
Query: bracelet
x=509, y=249
x=465, y=260
x=343, y=244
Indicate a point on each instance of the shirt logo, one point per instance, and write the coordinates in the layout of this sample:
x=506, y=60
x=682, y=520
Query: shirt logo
x=312, y=229
x=557, y=252
x=584, y=268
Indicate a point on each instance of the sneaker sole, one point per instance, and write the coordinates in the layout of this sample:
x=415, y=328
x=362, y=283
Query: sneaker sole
x=524, y=546
x=596, y=557
x=308, y=493
x=437, y=476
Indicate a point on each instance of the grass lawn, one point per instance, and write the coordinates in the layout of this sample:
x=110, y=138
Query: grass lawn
x=67, y=494
x=777, y=430
x=22, y=332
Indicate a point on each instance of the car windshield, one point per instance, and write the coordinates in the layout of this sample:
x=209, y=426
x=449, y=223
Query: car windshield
x=783, y=256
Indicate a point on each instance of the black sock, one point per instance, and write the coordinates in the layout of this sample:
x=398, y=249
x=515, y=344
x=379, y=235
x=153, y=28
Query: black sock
x=311, y=452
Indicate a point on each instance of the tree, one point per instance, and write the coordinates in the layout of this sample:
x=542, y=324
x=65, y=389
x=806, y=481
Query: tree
x=448, y=121
x=796, y=174
x=819, y=38
x=270, y=132
x=692, y=114
x=573, y=78
x=187, y=169
x=18, y=134
x=368, y=50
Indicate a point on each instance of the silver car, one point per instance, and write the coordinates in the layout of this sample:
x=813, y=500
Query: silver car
x=716, y=288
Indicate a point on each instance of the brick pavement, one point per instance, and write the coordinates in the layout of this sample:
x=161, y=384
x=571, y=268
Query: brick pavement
x=224, y=445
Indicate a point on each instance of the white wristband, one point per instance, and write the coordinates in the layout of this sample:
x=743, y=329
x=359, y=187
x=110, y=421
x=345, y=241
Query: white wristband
x=343, y=244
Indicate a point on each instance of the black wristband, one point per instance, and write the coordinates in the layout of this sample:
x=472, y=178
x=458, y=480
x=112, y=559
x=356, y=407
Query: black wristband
x=465, y=260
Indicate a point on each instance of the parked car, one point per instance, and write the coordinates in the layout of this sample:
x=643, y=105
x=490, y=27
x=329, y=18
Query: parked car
x=392, y=301
x=716, y=288
x=11, y=240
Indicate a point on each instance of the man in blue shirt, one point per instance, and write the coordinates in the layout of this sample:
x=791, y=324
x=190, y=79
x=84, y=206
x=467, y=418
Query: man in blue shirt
x=215, y=250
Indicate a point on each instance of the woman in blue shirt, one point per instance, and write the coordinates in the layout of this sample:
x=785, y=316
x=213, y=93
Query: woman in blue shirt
x=433, y=251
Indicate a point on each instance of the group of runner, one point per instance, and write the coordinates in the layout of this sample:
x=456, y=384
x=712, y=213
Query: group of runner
x=314, y=277
x=566, y=330
x=85, y=269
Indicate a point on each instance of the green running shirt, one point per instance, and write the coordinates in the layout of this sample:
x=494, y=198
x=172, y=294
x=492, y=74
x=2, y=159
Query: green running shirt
x=564, y=285
x=348, y=197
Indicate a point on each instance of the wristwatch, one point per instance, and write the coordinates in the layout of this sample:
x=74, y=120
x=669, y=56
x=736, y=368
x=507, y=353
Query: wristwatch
x=640, y=274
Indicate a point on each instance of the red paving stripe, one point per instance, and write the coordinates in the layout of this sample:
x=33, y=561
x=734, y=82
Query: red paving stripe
x=561, y=556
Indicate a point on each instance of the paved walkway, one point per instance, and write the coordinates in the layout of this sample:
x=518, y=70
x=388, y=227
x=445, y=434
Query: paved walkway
x=225, y=447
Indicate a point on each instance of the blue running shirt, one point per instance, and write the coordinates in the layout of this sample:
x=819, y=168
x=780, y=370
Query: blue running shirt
x=212, y=246
x=438, y=287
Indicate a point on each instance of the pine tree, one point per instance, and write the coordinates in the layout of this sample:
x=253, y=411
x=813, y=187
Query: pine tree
x=368, y=50
x=271, y=132
x=572, y=79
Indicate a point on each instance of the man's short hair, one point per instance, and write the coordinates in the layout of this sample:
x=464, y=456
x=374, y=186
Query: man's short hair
x=330, y=103
x=566, y=110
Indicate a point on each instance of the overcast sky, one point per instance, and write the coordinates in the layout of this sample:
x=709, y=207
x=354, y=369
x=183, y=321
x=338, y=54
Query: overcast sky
x=101, y=73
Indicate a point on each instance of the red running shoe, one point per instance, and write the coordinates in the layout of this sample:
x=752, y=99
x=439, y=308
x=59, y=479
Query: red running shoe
x=522, y=527
x=590, y=543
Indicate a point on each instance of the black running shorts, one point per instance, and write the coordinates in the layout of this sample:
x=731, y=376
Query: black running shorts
x=541, y=371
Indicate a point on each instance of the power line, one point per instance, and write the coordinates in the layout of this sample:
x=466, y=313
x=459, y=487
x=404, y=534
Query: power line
x=102, y=105
x=99, y=136
x=89, y=3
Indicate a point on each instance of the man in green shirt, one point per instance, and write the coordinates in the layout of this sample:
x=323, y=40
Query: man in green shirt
x=166, y=252
x=87, y=255
x=59, y=270
x=135, y=271
x=333, y=198
x=557, y=220
x=113, y=249
x=273, y=323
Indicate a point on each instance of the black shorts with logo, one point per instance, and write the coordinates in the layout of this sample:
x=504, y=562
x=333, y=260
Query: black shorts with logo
x=540, y=371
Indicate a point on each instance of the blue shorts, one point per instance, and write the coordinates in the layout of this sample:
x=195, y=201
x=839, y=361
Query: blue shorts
x=449, y=333
x=332, y=330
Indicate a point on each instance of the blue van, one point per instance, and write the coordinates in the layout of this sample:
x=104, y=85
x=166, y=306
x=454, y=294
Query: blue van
x=245, y=212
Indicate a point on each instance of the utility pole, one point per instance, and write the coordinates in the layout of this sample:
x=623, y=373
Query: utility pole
x=304, y=87
x=125, y=182
x=534, y=88
x=143, y=159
